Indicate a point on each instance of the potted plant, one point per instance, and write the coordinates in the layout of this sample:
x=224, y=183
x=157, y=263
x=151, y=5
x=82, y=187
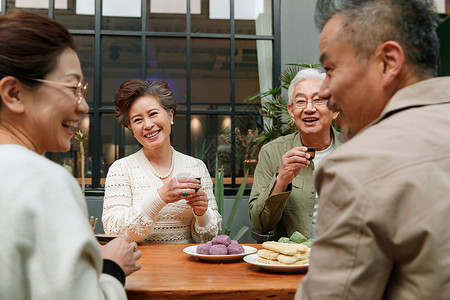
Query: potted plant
x=219, y=195
x=247, y=149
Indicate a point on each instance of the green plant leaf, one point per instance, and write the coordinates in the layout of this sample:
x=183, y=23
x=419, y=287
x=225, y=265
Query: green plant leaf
x=305, y=65
x=288, y=74
x=201, y=154
x=218, y=188
x=240, y=233
x=270, y=92
x=236, y=203
x=80, y=135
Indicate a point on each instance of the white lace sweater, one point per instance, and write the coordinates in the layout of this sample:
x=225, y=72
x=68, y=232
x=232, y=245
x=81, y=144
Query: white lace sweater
x=132, y=205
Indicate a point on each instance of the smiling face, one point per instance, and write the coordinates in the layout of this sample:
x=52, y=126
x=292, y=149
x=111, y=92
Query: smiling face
x=311, y=120
x=51, y=110
x=150, y=122
x=354, y=84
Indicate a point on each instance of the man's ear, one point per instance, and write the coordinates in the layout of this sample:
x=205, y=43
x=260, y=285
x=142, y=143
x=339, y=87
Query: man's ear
x=11, y=91
x=335, y=114
x=291, y=111
x=392, y=60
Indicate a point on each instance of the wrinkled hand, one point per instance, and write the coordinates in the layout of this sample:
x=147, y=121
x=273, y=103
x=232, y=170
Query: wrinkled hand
x=174, y=189
x=292, y=163
x=123, y=253
x=198, y=202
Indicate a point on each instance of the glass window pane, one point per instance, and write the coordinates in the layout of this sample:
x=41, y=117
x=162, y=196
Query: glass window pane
x=121, y=61
x=40, y=4
x=247, y=149
x=118, y=8
x=253, y=17
x=253, y=70
x=70, y=18
x=121, y=23
x=179, y=133
x=131, y=144
x=40, y=8
x=112, y=137
x=166, y=60
x=203, y=139
x=85, y=50
x=209, y=136
x=210, y=72
x=169, y=15
x=110, y=143
x=117, y=16
x=214, y=17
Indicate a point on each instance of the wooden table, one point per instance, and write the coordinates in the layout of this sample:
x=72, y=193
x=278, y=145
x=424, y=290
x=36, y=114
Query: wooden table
x=169, y=273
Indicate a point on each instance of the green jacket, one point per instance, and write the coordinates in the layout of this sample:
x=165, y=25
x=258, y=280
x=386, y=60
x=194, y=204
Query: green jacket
x=289, y=211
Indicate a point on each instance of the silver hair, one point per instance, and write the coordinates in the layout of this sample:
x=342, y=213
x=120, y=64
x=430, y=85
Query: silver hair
x=303, y=75
x=369, y=23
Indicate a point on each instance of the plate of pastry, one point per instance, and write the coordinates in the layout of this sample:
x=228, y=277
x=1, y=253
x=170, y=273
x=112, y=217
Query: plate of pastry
x=192, y=250
x=273, y=265
x=281, y=257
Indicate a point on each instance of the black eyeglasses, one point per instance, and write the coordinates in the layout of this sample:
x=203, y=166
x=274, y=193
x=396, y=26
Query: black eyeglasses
x=319, y=102
x=80, y=88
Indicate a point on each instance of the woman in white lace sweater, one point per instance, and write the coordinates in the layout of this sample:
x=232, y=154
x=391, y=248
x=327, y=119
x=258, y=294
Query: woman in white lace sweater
x=154, y=195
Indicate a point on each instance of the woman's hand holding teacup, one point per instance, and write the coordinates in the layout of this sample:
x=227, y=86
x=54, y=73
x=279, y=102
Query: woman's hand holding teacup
x=179, y=188
x=198, y=202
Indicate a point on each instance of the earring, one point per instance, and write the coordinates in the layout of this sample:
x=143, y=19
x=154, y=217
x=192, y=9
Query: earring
x=171, y=122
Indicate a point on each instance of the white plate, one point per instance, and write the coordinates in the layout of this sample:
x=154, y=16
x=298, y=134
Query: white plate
x=253, y=259
x=192, y=250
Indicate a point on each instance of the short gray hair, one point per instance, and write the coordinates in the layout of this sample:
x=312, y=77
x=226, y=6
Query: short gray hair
x=303, y=75
x=369, y=23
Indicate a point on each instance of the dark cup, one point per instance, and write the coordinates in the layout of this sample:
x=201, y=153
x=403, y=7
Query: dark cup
x=312, y=153
x=198, y=178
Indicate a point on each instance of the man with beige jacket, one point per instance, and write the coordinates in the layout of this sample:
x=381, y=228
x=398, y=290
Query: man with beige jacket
x=384, y=195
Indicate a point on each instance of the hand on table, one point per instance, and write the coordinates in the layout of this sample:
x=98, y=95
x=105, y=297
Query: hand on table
x=123, y=253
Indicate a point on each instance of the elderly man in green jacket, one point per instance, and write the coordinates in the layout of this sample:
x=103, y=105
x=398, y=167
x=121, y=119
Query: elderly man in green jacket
x=283, y=196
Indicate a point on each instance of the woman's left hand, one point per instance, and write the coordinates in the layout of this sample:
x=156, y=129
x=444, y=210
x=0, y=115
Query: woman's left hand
x=198, y=202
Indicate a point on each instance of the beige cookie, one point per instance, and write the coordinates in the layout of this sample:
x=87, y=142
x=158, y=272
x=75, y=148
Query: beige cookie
x=268, y=261
x=287, y=259
x=287, y=249
x=278, y=263
x=297, y=263
x=301, y=256
x=269, y=254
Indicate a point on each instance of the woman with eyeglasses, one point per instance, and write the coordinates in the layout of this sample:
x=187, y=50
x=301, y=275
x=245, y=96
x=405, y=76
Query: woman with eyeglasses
x=283, y=197
x=48, y=250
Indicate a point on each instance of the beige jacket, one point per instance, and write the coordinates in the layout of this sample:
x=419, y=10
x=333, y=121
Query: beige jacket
x=384, y=207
